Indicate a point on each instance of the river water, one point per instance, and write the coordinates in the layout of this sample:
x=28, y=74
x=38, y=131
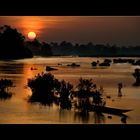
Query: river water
x=18, y=111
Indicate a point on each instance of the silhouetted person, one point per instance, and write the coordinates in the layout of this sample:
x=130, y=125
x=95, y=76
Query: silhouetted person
x=119, y=89
x=136, y=75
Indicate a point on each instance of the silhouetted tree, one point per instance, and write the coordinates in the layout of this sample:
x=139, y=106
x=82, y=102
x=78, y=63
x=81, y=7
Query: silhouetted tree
x=85, y=87
x=97, y=99
x=38, y=48
x=85, y=90
x=89, y=49
x=46, y=49
x=12, y=44
x=65, y=91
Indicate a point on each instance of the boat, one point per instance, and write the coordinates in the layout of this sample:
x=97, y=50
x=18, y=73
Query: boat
x=109, y=110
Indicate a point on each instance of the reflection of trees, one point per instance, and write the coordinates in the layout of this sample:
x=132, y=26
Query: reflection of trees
x=84, y=117
x=61, y=114
x=81, y=116
x=10, y=68
x=18, y=73
x=5, y=95
x=98, y=118
x=64, y=115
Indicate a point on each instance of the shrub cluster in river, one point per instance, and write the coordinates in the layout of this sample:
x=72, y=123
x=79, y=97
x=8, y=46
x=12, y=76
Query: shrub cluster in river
x=46, y=89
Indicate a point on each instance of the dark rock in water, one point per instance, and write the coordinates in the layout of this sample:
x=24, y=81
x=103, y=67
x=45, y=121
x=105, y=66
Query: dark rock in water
x=50, y=68
x=94, y=63
x=109, y=117
x=107, y=61
x=73, y=65
x=33, y=68
x=123, y=119
x=104, y=64
x=120, y=60
x=108, y=97
x=136, y=63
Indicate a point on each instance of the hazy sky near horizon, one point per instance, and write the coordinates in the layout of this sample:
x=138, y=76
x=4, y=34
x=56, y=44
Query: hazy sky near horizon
x=119, y=30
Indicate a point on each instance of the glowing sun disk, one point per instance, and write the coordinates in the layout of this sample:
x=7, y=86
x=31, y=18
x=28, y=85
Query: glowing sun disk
x=31, y=35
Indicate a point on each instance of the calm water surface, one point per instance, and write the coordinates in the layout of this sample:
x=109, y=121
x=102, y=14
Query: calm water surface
x=18, y=110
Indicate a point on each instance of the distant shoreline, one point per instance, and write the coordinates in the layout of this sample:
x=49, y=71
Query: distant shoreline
x=63, y=56
x=67, y=56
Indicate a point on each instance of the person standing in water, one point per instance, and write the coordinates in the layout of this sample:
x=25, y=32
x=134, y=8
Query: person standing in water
x=120, y=86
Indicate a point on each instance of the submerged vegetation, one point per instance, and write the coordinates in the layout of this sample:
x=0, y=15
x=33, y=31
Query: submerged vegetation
x=46, y=89
x=43, y=85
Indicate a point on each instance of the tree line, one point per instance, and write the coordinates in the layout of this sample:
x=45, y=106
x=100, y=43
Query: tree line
x=13, y=45
x=65, y=48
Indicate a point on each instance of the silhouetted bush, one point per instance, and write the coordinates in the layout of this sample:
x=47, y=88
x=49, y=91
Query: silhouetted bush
x=65, y=91
x=42, y=87
x=97, y=99
x=46, y=89
x=85, y=88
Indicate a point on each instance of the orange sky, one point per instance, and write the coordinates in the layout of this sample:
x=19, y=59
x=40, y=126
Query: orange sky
x=120, y=30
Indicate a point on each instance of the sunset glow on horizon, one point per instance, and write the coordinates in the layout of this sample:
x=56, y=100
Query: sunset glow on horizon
x=119, y=30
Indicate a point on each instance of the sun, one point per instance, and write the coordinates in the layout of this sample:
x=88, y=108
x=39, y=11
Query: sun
x=31, y=35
